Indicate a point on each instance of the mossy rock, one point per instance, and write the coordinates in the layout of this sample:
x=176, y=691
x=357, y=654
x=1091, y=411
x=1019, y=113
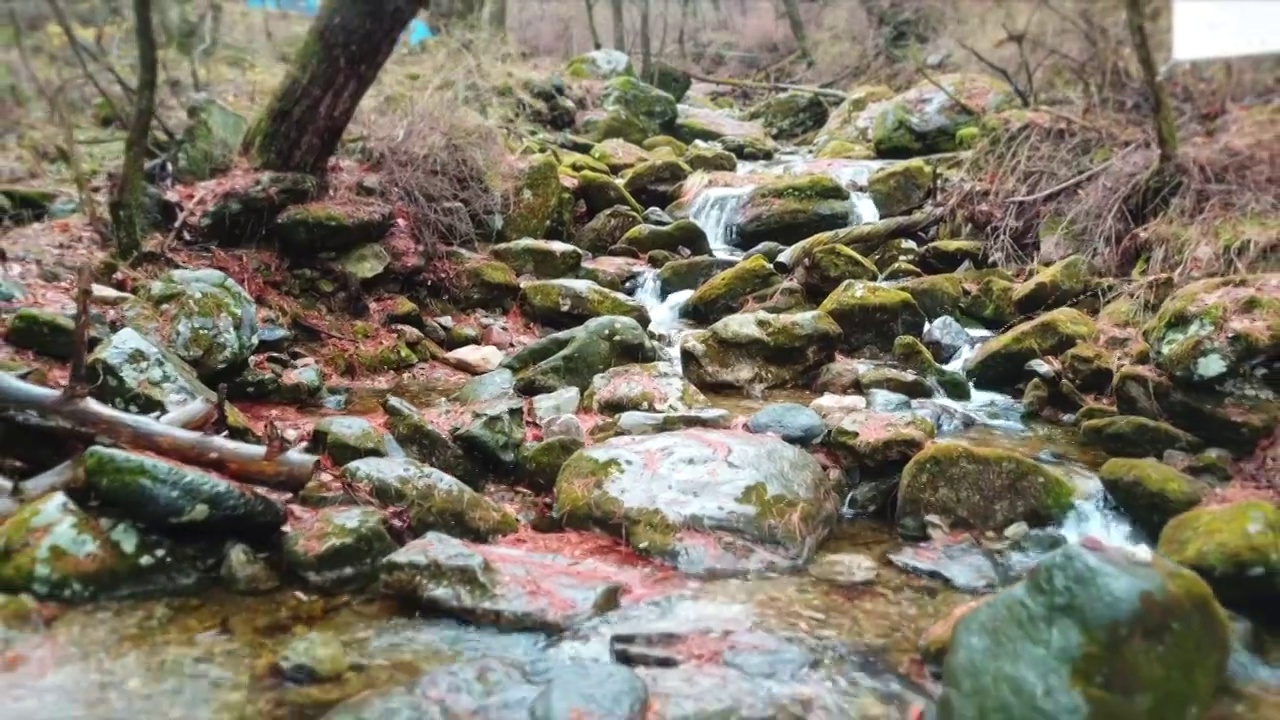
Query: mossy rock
x=900, y=188
x=52, y=549
x=630, y=110
x=161, y=493
x=680, y=236
x=912, y=354
x=702, y=157
x=783, y=298
x=902, y=382
x=688, y=274
x=998, y=362
x=665, y=141
x=328, y=226
x=845, y=126
x=745, y=139
x=347, y=438
x=844, y=150
x=203, y=316
x=337, y=548
x=601, y=192
x=725, y=293
x=540, y=462
x=22, y=205
x=571, y=358
x=572, y=163
x=619, y=155
x=1150, y=492
x=925, y=119
x=1088, y=367
x=1235, y=547
x=211, y=141
x=946, y=256
x=602, y=64
x=1094, y=411
x=538, y=201
x=544, y=259
x=1147, y=641
x=991, y=303
x=131, y=373
x=878, y=442
x=1219, y=328
x=901, y=271
x=1037, y=398
x=823, y=270
x=647, y=387
x=44, y=332
x=895, y=251
x=485, y=284
x=605, y=229
x=656, y=183
x=980, y=488
x=431, y=498
x=788, y=211
x=243, y=214
x=567, y=303
x=1055, y=286
x=1135, y=436
x=937, y=295
x=791, y=114
x=872, y=316
x=759, y=350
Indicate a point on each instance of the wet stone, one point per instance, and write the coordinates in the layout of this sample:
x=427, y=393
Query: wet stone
x=887, y=401
x=563, y=426
x=337, y=548
x=244, y=572
x=131, y=373
x=204, y=317
x=431, y=498
x=844, y=568
x=312, y=658
x=792, y=422
x=601, y=691
x=345, y=439
x=945, y=337
x=637, y=422
x=505, y=587
x=557, y=402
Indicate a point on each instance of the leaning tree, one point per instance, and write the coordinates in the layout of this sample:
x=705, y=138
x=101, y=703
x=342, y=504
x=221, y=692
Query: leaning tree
x=347, y=45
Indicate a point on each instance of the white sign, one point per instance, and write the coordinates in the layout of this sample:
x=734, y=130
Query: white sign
x=1212, y=29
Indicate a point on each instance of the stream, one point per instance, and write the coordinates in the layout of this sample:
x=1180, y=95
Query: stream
x=804, y=647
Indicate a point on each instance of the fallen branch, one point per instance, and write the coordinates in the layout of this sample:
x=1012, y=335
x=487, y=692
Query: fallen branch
x=1062, y=186
x=952, y=96
x=194, y=414
x=753, y=85
x=242, y=461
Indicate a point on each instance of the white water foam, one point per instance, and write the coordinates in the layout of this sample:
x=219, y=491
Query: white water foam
x=715, y=210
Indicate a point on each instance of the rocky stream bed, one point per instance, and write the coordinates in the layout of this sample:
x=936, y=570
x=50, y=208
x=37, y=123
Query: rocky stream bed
x=755, y=440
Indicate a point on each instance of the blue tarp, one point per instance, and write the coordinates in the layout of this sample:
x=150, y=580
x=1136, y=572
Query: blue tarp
x=417, y=33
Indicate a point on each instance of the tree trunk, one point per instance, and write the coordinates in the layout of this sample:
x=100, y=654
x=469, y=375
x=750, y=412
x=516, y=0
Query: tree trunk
x=1162, y=112
x=797, y=29
x=347, y=45
x=596, y=43
x=129, y=212
x=619, y=26
x=496, y=15
x=646, y=42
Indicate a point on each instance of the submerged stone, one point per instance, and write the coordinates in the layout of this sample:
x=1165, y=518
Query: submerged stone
x=312, y=658
x=504, y=587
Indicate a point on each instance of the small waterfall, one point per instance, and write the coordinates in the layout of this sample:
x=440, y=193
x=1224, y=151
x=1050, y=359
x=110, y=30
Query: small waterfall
x=715, y=210
x=864, y=209
x=664, y=313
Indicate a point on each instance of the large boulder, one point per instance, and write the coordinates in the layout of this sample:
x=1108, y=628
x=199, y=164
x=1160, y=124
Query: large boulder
x=790, y=114
x=726, y=292
x=937, y=295
x=689, y=273
x=925, y=119
x=944, y=256
x=203, y=316
x=900, y=188
x=327, y=226
x=345, y=438
x=163, y=494
x=1136, y=436
x=1150, y=492
x=211, y=140
x=788, y=211
x=759, y=350
x=1219, y=328
x=600, y=192
x=131, y=373
x=873, y=316
x=605, y=229
x=878, y=442
x=823, y=270
x=912, y=354
x=1235, y=547
x=656, y=183
x=1090, y=633
x=433, y=499
x=680, y=236
x=991, y=303
x=757, y=497
x=539, y=203
x=841, y=127
x=1055, y=286
x=337, y=548
x=506, y=587
x=571, y=358
x=568, y=303
x=980, y=488
x=618, y=155
x=648, y=387
x=484, y=284
x=746, y=140
x=630, y=110
x=546, y=259
x=998, y=363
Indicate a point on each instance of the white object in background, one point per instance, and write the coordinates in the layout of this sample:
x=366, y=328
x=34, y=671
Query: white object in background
x=1211, y=29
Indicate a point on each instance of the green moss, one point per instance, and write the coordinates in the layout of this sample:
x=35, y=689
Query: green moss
x=601, y=192
x=709, y=158
x=937, y=295
x=682, y=234
x=665, y=141
x=785, y=520
x=485, y=284
x=1134, y=436
x=844, y=150
x=871, y=315
x=1235, y=547
x=536, y=200
x=1094, y=411
x=901, y=187
x=45, y=332
x=1053, y=287
x=911, y=353
x=1150, y=492
x=998, y=362
x=392, y=356
x=724, y=293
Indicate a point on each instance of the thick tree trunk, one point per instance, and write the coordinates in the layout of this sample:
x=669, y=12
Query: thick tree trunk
x=797, y=28
x=347, y=45
x=1162, y=112
x=646, y=42
x=619, y=25
x=129, y=212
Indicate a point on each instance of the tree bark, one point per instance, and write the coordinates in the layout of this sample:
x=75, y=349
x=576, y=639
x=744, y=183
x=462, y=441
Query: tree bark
x=1162, y=112
x=646, y=42
x=797, y=29
x=242, y=461
x=619, y=25
x=129, y=213
x=596, y=43
x=347, y=45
